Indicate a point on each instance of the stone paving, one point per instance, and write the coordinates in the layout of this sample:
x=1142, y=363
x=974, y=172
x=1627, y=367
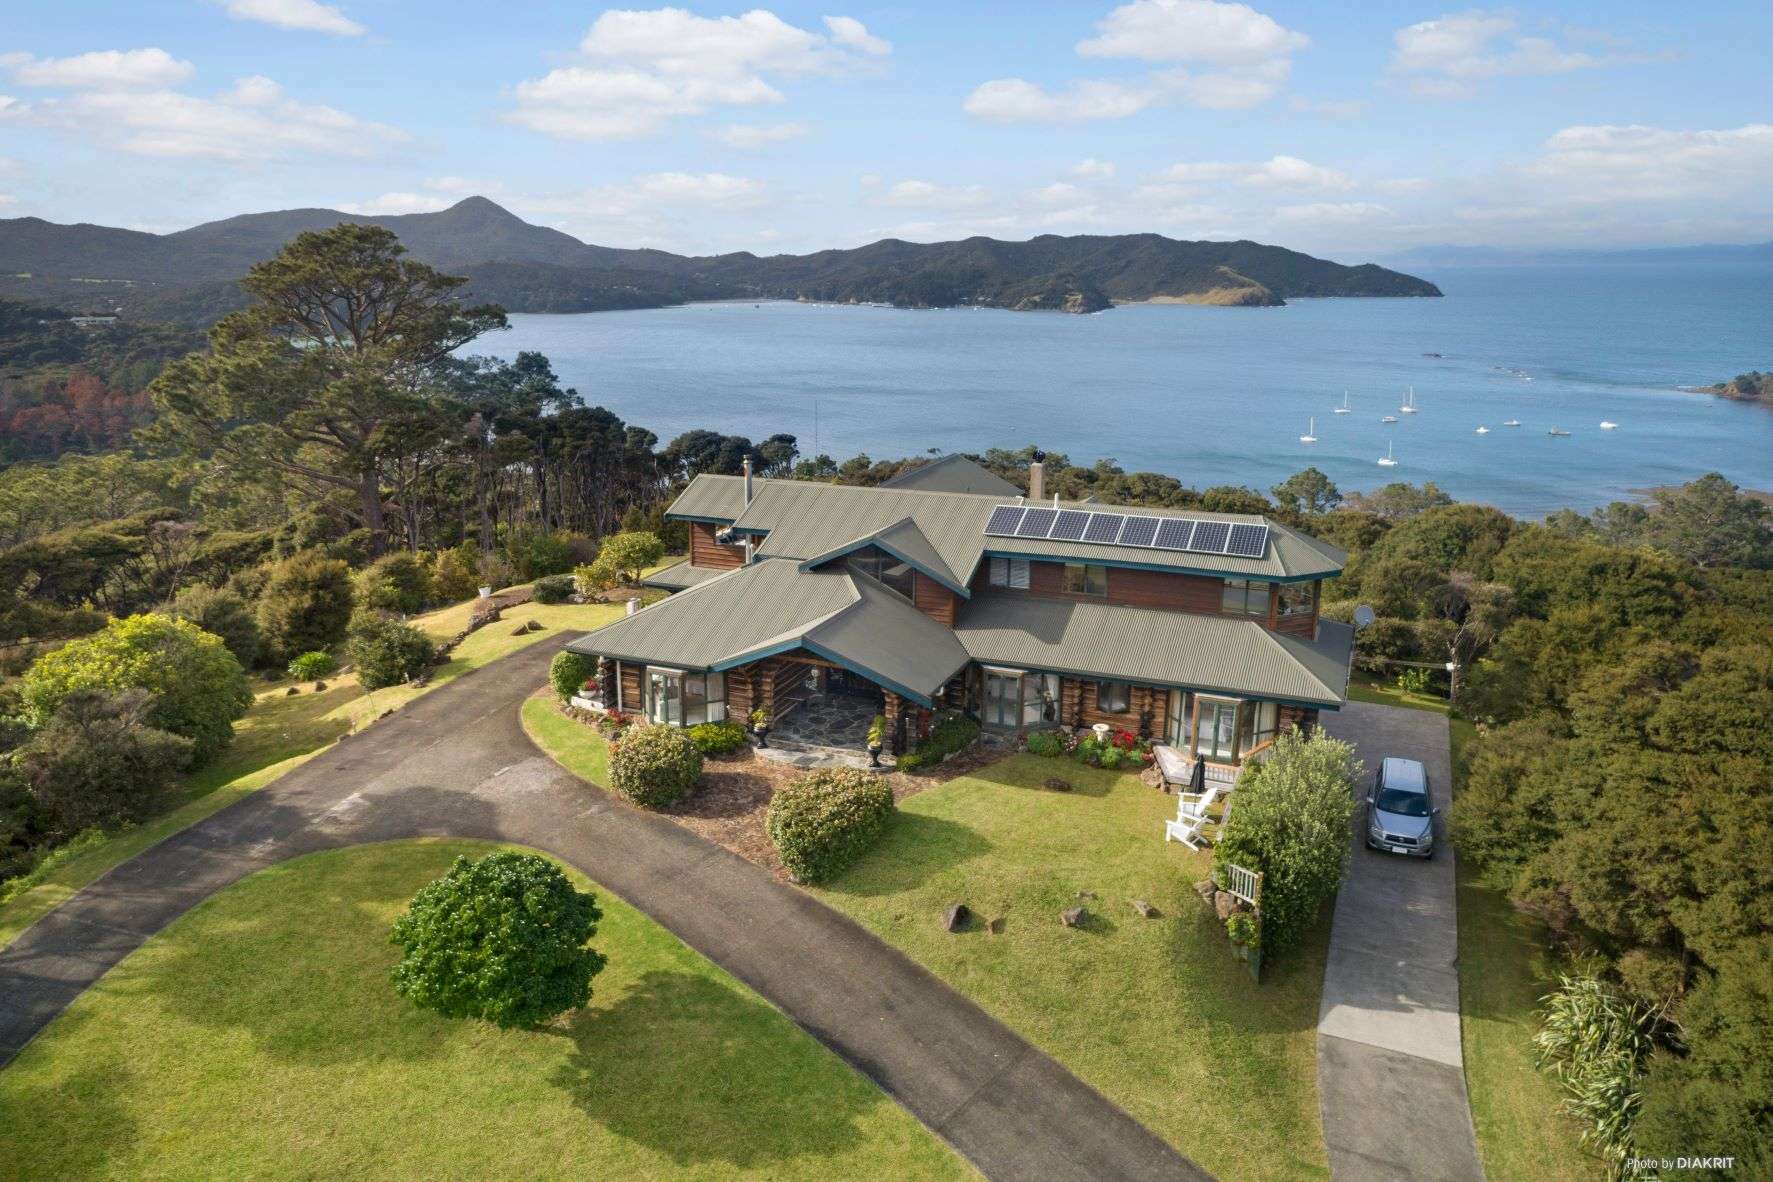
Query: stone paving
x=829, y=720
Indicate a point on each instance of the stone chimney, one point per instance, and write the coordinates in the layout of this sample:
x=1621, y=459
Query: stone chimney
x=1037, y=478
x=747, y=482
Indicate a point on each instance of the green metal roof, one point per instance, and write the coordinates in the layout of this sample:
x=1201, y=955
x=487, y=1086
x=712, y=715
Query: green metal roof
x=680, y=576
x=1201, y=652
x=904, y=541
x=954, y=474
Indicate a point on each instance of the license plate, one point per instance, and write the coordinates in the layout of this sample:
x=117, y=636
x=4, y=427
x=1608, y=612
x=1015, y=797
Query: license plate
x=1400, y=849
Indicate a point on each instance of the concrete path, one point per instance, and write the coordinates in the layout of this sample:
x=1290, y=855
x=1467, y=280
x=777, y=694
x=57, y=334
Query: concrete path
x=456, y=763
x=1390, y=1075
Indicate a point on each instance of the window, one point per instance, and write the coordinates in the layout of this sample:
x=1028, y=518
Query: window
x=1245, y=597
x=1084, y=579
x=1040, y=699
x=896, y=575
x=1265, y=720
x=878, y=564
x=1297, y=599
x=685, y=699
x=1112, y=697
x=1010, y=572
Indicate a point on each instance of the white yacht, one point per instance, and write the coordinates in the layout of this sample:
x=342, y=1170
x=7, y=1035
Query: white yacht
x=1558, y=431
x=1389, y=419
x=1512, y=423
x=1483, y=430
x=1607, y=426
x=1344, y=408
x=1386, y=461
x=1409, y=406
x=1310, y=435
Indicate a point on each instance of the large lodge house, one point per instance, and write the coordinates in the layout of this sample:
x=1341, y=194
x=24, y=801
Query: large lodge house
x=947, y=589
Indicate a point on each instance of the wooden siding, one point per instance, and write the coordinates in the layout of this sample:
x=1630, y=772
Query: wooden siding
x=1157, y=590
x=934, y=600
x=1077, y=699
x=633, y=693
x=704, y=551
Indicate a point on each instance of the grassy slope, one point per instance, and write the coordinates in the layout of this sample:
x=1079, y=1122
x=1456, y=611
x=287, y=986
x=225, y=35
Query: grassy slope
x=1155, y=1013
x=282, y=730
x=1521, y=1131
x=259, y=1036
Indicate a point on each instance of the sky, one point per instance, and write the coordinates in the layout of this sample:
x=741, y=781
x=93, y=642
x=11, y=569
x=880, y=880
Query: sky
x=1349, y=130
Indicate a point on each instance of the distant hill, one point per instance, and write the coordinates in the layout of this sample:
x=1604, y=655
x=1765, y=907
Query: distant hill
x=190, y=275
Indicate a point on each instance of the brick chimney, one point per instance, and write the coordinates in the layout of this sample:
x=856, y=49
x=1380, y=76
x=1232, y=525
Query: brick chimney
x=747, y=482
x=1037, y=477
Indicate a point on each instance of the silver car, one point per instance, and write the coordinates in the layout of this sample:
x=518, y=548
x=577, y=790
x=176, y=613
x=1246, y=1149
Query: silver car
x=1400, y=819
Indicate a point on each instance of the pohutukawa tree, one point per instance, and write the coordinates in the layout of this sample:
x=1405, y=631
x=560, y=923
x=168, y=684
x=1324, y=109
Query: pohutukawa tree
x=334, y=370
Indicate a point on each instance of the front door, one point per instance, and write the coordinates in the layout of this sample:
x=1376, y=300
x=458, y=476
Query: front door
x=1218, y=730
x=1003, y=700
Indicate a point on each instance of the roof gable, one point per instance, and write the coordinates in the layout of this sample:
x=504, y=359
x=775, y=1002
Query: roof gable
x=954, y=474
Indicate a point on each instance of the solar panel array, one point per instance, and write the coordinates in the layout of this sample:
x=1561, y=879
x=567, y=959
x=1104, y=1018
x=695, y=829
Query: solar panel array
x=1185, y=535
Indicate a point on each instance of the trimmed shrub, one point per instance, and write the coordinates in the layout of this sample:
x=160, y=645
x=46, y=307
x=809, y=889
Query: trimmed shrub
x=197, y=687
x=222, y=613
x=502, y=938
x=306, y=604
x=387, y=652
x=824, y=821
x=1048, y=744
x=654, y=766
x=592, y=577
x=954, y=733
x=552, y=589
x=397, y=582
x=717, y=738
x=313, y=666
x=569, y=671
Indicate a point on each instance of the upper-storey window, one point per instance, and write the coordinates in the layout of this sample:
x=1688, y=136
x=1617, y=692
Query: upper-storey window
x=1245, y=597
x=1010, y=572
x=1086, y=579
x=1296, y=599
x=876, y=563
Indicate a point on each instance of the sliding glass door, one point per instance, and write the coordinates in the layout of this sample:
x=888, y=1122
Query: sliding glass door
x=1003, y=699
x=1217, y=735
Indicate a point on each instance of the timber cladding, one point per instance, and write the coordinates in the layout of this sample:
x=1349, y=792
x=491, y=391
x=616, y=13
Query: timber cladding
x=1077, y=698
x=704, y=551
x=934, y=600
x=633, y=693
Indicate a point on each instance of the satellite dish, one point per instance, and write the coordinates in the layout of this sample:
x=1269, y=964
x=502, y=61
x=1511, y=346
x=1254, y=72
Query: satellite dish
x=1363, y=616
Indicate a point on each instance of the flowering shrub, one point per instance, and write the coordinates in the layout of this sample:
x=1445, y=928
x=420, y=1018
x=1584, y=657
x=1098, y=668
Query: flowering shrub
x=1125, y=740
x=654, y=766
x=824, y=821
x=611, y=724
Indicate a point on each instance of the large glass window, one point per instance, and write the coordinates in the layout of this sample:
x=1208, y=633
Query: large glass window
x=1296, y=599
x=1003, y=695
x=1086, y=578
x=1264, y=721
x=1113, y=697
x=1010, y=572
x=1040, y=699
x=685, y=699
x=1245, y=597
x=1180, y=731
x=878, y=564
x=664, y=696
x=1217, y=736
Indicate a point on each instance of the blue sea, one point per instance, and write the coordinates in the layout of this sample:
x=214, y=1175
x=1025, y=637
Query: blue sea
x=1222, y=395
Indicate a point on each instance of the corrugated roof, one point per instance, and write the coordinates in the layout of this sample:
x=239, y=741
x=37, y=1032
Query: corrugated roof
x=1202, y=652
x=907, y=542
x=954, y=474
x=804, y=519
x=680, y=576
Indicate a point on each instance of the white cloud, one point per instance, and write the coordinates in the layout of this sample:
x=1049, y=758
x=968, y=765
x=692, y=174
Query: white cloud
x=1637, y=162
x=394, y=203
x=1403, y=186
x=1278, y=172
x=709, y=189
x=11, y=108
x=925, y=195
x=109, y=69
x=644, y=69
x=751, y=136
x=1091, y=170
x=1191, y=30
x=1331, y=108
x=1057, y=193
x=1447, y=56
x=1016, y=100
x=1333, y=213
x=295, y=14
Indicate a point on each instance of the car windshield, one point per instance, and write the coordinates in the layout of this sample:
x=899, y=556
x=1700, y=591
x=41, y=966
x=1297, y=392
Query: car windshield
x=1404, y=804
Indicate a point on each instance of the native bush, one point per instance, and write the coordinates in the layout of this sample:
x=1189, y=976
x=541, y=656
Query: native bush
x=222, y=613
x=502, y=938
x=717, y=738
x=306, y=604
x=545, y=554
x=313, y=666
x=552, y=589
x=198, y=689
x=387, y=652
x=569, y=671
x=1595, y=1042
x=453, y=575
x=1048, y=744
x=655, y=766
x=1291, y=824
x=397, y=582
x=98, y=763
x=824, y=821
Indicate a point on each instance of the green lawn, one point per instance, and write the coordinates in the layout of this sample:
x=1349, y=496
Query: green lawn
x=1156, y=1013
x=281, y=730
x=258, y=1036
x=573, y=745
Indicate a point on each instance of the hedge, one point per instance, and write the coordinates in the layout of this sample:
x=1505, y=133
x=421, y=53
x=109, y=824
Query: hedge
x=654, y=766
x=717, y=738
x=569, y=671
x=824, y=821
x=552, y=589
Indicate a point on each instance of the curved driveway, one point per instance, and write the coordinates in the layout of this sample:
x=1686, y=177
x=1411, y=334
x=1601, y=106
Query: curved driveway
x=456, y=763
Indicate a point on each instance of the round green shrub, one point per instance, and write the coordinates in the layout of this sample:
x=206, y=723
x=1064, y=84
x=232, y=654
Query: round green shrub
x=569, y=671
x=222, y=613
x=654, y=766
x=397, y=582
x=824, y=821
x=502, y=938
x=197, y=687
x=313, y=666
x=552, y=589
x=387, y=652
x=453, y=575
x=306, y=604
x=1048, y=744
x=717, y=738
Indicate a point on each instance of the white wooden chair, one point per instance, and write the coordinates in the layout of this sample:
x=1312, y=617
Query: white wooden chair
x=1194, y=805
x=1188, y=832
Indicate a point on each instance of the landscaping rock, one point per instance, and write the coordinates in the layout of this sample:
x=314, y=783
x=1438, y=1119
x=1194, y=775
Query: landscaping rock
x=995, y=927
x=319, y=687
x=957, y=916
x=1058, y=784
x=1073, y=917
x=1205, y=888
x=1224, y=904
x=1145, y=910
x=294, y=689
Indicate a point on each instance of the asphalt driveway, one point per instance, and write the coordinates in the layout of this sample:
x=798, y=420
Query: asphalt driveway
x=1390, y=1073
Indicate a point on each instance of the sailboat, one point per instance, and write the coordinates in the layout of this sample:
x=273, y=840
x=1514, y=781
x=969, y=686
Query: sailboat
x=1409, y=406
x=1310, y=435
x=1512, y=423
x=1389, y=419
x=1385, y=461
x=1343, y=409
x=1483, y=430
x=1606, y=426
x=1558, y=431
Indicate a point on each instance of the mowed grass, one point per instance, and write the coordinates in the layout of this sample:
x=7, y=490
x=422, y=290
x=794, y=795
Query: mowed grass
x=259, y=1036
x=282, y=729
x=571, y=744
x=1155, y=1013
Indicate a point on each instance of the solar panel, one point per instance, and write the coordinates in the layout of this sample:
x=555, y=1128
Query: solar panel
x=1173, y=533
x=1036, y=523
x=1248, y=541
x=1003, y=521
x=1070, y=526
x=1209, y=537
x=1103, y=527
x=1138, y=531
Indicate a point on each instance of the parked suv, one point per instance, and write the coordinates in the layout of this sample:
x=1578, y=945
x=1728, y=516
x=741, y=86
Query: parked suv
x=1400, y=819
